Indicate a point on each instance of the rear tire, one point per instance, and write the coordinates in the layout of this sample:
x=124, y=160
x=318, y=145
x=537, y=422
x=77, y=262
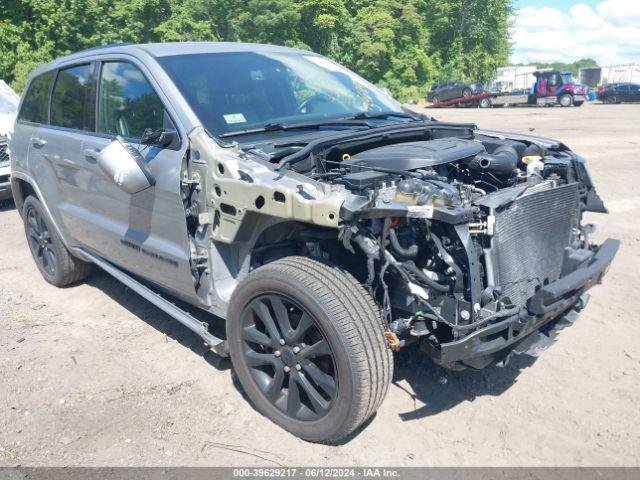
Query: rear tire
x=56, y=264
x=326, y=374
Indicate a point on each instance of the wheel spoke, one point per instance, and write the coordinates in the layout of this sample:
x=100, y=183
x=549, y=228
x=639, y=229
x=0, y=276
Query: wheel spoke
x=324, y=381
x=35, y=241
x=282, y=317
x=262, y=311
x=305, y=324
x=255, y=359
x=320, y=405
x=42, y=227
x=293, y=397
x=51, y=258
x=252, y=334
x=275, y=387
x=318, y=349
x=33, y=225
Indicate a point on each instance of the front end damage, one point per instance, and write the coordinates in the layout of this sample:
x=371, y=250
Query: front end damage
x=471, y=242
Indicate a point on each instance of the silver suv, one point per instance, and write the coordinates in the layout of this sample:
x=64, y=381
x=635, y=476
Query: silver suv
x=328, y=226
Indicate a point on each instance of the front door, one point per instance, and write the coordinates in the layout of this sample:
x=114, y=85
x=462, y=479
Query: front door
x=144, y=233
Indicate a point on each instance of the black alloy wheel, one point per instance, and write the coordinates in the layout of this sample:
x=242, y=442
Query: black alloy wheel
x=289, y=357
x=56, y=264
x=307, y=344
x=40, y=241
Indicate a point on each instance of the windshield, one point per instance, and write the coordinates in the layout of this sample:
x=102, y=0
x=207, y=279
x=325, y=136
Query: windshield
x=568, y=78
x=231, y=92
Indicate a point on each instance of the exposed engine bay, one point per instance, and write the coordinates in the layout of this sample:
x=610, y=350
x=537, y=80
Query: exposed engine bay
x=466, y=239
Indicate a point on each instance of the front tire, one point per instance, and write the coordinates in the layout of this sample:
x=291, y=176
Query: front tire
x=565, y=100
x=56, y=264
x=306, y=342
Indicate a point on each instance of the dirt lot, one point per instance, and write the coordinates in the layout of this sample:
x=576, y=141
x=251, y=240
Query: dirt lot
x=93, y=375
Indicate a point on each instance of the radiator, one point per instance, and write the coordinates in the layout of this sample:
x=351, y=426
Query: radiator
x=530, y=237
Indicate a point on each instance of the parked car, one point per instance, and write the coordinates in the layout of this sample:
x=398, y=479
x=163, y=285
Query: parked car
x=8, y=106
x=450, y=90
x=280, y=191
x=620, y=93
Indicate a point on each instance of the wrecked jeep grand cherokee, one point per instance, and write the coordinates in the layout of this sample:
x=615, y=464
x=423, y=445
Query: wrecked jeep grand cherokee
x=278, y=190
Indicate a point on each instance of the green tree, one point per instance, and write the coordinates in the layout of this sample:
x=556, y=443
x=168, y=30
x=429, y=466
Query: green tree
x=405, y=45
x=189, y=20
x=323, y=23
x=268, y=21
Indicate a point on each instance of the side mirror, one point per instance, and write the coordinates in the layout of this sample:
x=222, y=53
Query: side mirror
x=161, y=137
x=123, y=164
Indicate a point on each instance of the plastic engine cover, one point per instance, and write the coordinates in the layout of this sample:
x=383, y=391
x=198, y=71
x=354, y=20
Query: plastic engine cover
x=414, y=155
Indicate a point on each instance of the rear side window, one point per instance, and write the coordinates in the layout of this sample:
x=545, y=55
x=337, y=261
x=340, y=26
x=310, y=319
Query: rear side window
x=127, y=103
x=71, y=105
x=35, y=106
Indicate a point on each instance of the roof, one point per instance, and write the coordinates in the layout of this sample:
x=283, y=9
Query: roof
x=173, y=48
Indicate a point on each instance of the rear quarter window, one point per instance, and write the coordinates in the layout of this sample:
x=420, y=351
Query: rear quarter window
x=35, y=106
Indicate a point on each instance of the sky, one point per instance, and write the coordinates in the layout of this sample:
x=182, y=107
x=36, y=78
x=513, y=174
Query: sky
x=567, y=30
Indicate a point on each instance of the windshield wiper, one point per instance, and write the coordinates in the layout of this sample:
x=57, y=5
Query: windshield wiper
x=370, y=115
x=278, y=126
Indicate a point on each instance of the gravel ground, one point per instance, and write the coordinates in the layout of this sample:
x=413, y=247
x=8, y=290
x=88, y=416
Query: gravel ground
x=93, y=375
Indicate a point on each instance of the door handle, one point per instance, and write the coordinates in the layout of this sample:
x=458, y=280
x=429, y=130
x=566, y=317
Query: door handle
x=38, y=142
x=91, y=153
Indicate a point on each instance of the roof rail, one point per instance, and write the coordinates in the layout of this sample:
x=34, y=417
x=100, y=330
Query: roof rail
x=116, y=44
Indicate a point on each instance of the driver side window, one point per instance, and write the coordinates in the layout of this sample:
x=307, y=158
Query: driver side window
x=127, y=103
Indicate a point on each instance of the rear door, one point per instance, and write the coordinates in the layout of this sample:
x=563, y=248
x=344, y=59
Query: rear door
x=445, y=93
x=33, y=112
x=456, y=90
x=55, y=154
x=144, y=233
